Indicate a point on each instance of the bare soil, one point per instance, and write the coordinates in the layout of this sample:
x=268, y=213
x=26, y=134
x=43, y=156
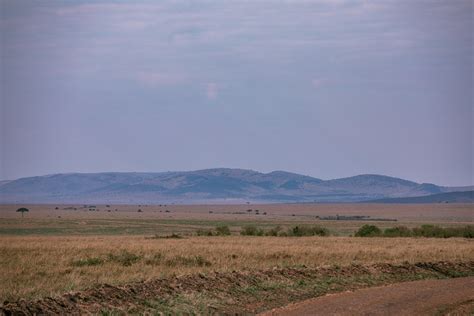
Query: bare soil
x=426, y=297
x=233, y=292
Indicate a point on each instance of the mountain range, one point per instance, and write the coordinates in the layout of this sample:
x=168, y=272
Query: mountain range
x=208, y=186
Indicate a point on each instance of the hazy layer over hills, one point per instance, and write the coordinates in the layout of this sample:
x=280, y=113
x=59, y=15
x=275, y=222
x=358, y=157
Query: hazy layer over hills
x=450, y=197
x=207, y=186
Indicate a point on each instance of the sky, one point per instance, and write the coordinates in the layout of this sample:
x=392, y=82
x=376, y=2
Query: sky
x=326, y=88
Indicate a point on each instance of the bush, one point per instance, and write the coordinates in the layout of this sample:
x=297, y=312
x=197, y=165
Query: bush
x=251, y=230
x=296, y=231
x=368, y=231
x=204, y=232
x=299, y=231
x=399, y=231
x=429, y=231
x=468, y=232
x=222, y=230
x=172, y=236
x=439, y=232
x=274, y=231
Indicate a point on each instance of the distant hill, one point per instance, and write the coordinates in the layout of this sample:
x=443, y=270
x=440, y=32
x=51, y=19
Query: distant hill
x=206, y=186
x=451, y=197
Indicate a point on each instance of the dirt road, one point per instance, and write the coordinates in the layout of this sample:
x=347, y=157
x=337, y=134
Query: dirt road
x=425, y=297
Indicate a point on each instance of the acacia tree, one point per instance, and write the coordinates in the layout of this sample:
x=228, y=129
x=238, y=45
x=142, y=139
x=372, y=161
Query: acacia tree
x=22, y=210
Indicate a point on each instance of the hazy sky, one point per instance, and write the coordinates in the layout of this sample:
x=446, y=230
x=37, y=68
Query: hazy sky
x=327, y=88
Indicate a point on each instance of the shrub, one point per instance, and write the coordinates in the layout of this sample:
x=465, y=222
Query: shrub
x=251, y=230
x=172, y=236
x=468, y=231
x=204, y=232
x=299, y=231
x=399, y=231
x=439, y=232
x=429, y=231
x=368, y=231
x=222, y=230
x=274, y=231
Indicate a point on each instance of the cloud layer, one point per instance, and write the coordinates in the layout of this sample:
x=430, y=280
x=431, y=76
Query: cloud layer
x=299, y=85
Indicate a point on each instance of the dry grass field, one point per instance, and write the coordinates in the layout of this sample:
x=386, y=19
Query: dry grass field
x=52, y=251
x=33, y=267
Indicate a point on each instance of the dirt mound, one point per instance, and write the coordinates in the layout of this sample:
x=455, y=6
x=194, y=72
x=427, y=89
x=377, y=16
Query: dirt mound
x=228, y=286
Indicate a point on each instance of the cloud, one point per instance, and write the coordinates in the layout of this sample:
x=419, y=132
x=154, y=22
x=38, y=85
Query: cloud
x=211, y=90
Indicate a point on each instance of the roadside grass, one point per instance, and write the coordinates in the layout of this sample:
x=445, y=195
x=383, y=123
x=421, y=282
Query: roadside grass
x=38, y=266
x=264, y=290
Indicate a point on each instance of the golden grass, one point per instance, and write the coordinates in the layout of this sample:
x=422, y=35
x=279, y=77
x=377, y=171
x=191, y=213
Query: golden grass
x=34, y=267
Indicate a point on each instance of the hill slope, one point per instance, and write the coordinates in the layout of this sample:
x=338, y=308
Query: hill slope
x=210, y=185
x=450, y=197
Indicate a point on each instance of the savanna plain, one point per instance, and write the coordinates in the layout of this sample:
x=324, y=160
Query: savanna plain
x=172, y=259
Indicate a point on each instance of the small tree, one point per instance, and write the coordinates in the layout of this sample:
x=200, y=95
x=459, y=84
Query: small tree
x=22, y=210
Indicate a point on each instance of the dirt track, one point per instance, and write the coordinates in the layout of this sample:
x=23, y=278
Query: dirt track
x=408, y=298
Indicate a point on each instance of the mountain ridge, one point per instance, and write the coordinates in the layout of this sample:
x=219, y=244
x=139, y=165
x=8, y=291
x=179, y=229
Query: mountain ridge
x=207, y=185
x=447, y=197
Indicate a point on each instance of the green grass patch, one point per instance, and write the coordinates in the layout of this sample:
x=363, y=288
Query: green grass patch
x=124, y=258
x=94, y=261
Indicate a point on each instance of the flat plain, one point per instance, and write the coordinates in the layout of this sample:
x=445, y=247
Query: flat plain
x=56, y=249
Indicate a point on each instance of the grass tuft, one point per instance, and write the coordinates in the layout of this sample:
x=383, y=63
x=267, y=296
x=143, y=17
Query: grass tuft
x=124, y=258
x=94, y=261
